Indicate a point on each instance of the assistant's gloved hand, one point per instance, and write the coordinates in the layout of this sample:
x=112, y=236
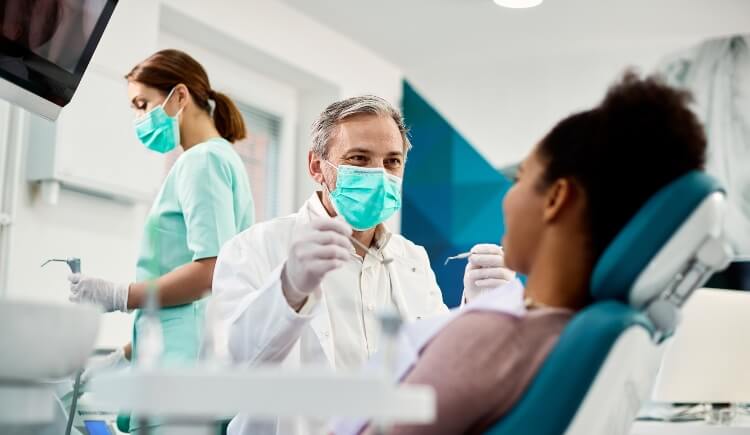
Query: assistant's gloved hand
x=318, y=248
x=485, y=271
x=110, y=296
x=109, y=362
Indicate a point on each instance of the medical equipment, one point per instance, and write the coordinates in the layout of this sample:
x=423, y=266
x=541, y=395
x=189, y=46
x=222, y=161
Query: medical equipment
x=157, y=130
x=214, y=349
x=706, y=361
x=43, y=62
x=41, y=341
x=390, y=325
x=150, y=344
x=196, y=398
x=74, y=264
x=365, y=197
x=460, y=256
x=398, y=297
x=202, y=395
x=151, y=341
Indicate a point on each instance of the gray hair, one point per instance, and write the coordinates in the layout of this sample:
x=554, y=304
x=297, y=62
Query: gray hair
x=324, y=128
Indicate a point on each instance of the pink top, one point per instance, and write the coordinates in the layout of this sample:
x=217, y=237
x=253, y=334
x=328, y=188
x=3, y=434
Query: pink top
x=480, y=364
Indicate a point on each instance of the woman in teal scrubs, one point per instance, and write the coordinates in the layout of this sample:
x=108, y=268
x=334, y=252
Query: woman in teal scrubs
x=204, y=201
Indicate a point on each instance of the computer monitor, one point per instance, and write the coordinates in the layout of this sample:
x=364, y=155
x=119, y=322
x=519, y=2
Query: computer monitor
x=45, y=47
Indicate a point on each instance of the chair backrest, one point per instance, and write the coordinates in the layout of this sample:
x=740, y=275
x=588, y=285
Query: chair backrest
x=604, y=356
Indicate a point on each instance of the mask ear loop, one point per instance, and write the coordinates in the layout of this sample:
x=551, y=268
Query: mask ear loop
x=327, y=189
x=323, y=184
x=169, y=95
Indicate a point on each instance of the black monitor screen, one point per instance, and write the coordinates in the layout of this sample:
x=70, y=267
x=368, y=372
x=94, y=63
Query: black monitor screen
x=46, y=45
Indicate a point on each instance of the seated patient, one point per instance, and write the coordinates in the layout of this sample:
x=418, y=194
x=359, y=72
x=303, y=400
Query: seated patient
x=574, y=192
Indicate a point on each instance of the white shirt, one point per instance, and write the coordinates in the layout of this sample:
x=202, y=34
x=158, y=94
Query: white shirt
x=337, y=327
x=353, y=311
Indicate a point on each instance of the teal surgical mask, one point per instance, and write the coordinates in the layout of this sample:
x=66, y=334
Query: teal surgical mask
x=365, y=197
x=158, y=131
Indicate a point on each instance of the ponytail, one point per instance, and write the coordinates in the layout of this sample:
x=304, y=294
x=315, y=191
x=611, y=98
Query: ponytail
x=227, y=118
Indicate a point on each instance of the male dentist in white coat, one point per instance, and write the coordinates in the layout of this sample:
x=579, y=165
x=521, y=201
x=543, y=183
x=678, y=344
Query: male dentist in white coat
x=296, y=291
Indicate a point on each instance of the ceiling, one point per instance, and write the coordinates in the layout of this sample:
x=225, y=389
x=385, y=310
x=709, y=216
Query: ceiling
x=419, y=33
x=502, y=77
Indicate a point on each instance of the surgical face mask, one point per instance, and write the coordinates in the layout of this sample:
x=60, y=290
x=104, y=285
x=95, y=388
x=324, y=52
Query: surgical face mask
x=158, y=131
x=365, y=197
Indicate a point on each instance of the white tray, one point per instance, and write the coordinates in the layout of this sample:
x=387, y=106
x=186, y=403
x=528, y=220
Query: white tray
x=204, y=393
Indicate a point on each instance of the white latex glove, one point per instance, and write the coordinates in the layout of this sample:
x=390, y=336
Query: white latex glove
x=485, y=271
x=108, y=362
x=318, y=248
x=109, y=295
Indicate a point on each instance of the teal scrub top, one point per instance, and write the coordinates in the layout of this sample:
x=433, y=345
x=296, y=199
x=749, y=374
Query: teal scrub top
x=205, y=200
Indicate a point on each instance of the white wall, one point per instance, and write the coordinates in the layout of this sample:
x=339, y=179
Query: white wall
x=281, y=42
x=504, y=110
x=272, y=38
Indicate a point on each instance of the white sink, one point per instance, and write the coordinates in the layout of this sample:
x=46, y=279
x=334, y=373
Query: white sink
x=40, y=341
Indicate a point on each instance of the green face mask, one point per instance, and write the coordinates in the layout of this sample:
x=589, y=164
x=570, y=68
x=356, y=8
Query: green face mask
x=158, y=131
x=365, y=197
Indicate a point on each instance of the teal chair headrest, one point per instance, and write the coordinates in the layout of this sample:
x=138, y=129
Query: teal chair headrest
x=639, y=242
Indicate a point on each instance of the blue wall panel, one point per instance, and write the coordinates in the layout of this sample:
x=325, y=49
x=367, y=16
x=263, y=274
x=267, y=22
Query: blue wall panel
x=452, y=195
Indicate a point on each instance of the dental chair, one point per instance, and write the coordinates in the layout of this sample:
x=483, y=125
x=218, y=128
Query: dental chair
x=607, y=357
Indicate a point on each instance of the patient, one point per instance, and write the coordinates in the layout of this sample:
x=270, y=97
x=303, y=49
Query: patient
x=574, y=192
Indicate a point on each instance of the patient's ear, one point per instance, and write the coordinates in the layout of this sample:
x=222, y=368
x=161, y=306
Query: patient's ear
x=560, y=197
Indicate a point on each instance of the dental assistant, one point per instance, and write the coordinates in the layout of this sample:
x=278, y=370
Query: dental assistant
x=296, y=291
x=204, y=201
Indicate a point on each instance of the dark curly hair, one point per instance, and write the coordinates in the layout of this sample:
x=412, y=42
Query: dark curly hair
x=640, y=138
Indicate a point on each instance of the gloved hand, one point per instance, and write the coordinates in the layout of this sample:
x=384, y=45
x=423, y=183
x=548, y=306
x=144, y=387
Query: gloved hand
x=109, y=362
x=485, y=271
x=316, y=249
x=110, y=296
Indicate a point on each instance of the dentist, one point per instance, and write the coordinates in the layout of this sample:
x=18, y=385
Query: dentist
x=296, y=290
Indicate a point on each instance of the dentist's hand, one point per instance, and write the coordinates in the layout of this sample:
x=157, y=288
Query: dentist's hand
x=108, y=295
x=485, y=271
x=317, y=249
x=110, y=361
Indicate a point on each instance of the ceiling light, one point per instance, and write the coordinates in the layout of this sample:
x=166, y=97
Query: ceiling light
x=518, y=4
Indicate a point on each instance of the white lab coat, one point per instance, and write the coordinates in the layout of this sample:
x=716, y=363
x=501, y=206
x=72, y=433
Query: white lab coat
x=263, y=329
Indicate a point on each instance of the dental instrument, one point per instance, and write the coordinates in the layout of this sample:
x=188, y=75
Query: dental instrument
x=74, y=264
x=460, y=256
x=370, y=251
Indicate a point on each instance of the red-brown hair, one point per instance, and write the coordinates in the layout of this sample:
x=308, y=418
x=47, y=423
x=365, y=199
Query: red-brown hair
x=166, y=69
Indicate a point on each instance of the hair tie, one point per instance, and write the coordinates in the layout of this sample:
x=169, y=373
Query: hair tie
x=211, y=94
